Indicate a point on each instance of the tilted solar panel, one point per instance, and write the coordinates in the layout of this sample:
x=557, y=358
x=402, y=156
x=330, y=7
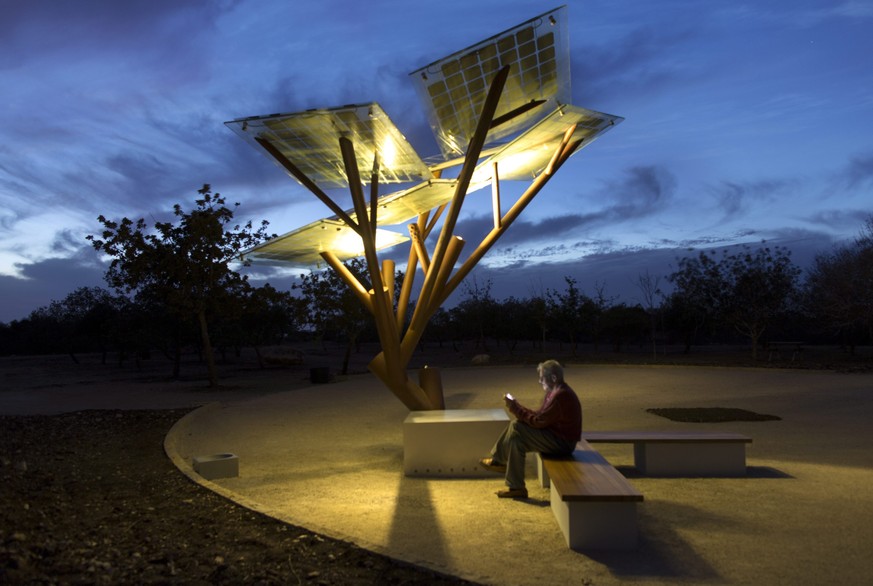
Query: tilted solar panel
x=453, y=89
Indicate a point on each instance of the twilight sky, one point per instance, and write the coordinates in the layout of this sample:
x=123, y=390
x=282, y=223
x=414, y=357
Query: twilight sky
x=744, y=121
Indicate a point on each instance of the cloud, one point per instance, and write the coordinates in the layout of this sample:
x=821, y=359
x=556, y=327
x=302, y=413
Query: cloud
x=639, y=192
x=95, y=26
x=840, y=220
x=615, y=273
x=617, y=270
x=48, y=280
x=800, y=16
x=858, y=173
x=854, y=9
x=735, y=198
x=638, y=62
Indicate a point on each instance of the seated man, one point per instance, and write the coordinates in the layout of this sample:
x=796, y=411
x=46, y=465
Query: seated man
x=553, y=429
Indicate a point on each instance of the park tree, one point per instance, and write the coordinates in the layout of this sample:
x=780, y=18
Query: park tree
x=515, y=322
x=268, y=316
x=650, y=291
x=684, y=316
x=540, y=311
x=696, y=300
x=38, y=333
x=747, y=289
x=441, y=329
x=184, y=264
x=624, y=324
x=476, y=313
x=86, y=319
x=572, y=311
x=839, y=288
x=601, y=302
x=332, y=307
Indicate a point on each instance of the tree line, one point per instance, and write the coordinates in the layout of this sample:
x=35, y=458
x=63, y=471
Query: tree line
x=172, y=289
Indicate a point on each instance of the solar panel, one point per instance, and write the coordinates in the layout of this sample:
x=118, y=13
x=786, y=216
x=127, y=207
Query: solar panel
x=453, y=89
x=398, y=207
x=302, y=247
x=528, y=154
x=531, y=119
x=310, y=140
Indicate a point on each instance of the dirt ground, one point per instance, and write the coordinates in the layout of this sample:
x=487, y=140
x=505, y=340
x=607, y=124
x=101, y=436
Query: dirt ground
x=89, y=497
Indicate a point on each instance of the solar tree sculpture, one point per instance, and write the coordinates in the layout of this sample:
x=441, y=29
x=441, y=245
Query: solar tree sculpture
x=499, y=110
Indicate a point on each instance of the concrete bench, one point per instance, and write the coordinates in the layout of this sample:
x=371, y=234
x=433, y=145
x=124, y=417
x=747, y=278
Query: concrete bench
x=450, y=442
x=776, y=349
x=681, y=453
x=595, y=506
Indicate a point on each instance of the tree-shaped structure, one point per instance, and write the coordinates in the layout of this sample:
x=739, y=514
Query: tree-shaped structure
x=500, y=111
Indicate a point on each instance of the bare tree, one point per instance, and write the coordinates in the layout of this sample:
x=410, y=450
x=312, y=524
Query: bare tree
x=649, y=287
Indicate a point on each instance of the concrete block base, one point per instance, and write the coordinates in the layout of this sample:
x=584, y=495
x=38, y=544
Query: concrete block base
x=217, y=466
x=542, y=473
x=690, y=459
x=596, y=525
x=450, y=442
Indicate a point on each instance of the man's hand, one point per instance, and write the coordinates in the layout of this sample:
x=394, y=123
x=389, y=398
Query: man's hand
x=508, y=399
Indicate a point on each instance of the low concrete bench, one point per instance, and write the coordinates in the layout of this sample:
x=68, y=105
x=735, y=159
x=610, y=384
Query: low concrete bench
x=681, y=453
x=595, y=506
x=775, y=349
x=450, y=442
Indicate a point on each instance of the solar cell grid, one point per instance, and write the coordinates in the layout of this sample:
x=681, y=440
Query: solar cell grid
x=310, y=140
x=455, y=87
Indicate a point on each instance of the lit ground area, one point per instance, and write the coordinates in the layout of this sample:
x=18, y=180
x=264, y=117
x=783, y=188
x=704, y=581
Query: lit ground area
x=329, y=458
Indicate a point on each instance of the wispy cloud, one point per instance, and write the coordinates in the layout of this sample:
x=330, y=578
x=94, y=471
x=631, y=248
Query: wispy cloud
x=858, y=173
x=805, y=15
x=840, y=220
x=734, y=198
x=642, y=60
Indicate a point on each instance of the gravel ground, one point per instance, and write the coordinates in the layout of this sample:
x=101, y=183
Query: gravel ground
x=90, y=498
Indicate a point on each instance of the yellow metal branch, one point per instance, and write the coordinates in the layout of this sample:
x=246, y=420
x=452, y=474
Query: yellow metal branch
x=433, y=221
x=418, y=246
x=495, y=195
x=374, y=192
x=474, y=149
x=388, y=279
x=406, y=287
x=564, y=151
x=349, y=279
x=308, y=183
x=456, y=244
x=386, y=325
x=550, y=168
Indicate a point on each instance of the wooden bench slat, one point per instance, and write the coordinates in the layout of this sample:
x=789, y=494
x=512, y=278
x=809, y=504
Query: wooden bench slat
x=628, y=437
x=594, y=480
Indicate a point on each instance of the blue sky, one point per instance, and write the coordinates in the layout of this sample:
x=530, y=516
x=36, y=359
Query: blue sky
x=744, y=121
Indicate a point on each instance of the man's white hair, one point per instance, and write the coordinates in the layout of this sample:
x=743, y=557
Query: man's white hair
x=549, y=368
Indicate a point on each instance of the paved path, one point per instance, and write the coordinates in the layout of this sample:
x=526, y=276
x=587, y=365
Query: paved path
x=329, y=458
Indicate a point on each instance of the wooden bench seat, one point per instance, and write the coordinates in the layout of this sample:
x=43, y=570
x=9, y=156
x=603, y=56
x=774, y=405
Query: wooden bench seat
x=681, y=453
x=595, y=505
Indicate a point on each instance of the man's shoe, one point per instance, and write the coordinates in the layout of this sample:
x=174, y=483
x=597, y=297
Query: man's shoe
x=491, y=466
x=512, y=493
